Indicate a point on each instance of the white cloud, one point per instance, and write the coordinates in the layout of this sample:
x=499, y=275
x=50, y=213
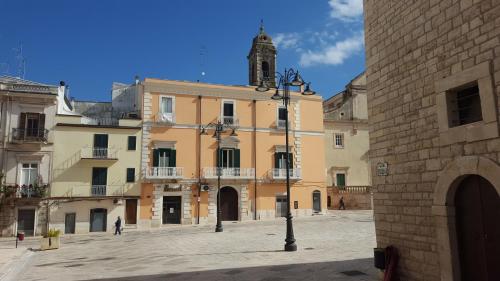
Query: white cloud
x=286, y=40
x=334, y=54
x=346, y=10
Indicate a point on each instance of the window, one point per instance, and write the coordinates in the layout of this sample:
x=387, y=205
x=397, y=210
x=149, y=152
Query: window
x=29, y=173
x=280, y=160
x=130, y=174
x=132, y=142
x=229, y=158
x=164, y=157
x=340, y=179
x=228, y=115
x=281, y=117
x=465, y=106
x=339, y=140
x=99, y=176
x=100, y=146
x=166, y=110
x=31, y=125
x=265, y=70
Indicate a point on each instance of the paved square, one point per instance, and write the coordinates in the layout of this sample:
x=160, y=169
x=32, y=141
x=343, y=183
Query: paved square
x=336, y=246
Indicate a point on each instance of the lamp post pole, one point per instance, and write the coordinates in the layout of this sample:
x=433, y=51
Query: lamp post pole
x=218, y=131
x=290, y=238
x=285, y=81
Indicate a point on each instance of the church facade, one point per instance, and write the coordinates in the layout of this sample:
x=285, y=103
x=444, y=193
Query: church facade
x=179, y=157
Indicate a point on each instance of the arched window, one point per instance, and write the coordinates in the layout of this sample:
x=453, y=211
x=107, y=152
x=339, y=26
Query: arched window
x=265, y=70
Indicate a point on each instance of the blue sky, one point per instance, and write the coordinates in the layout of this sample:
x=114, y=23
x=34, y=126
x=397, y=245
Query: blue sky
x=89, y=44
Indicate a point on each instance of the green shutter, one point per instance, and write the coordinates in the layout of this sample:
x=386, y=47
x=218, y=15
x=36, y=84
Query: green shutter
x=340, y=179
x=276, y=160
x=290, y=158
x=236, y=158
x=156, y=158
x=172, y=158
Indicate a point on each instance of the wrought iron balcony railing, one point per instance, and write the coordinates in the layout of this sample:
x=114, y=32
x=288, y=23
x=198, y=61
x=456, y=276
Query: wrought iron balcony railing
x=281, y=124
x=280, y=174
x=99, y=153
x=30, y=135
x=165, y=118
x=229, y=173
x=230, y=121
x=164, y=173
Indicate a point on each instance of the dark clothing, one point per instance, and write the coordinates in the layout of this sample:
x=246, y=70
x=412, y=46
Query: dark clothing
x=118, y=227
x=341, y=204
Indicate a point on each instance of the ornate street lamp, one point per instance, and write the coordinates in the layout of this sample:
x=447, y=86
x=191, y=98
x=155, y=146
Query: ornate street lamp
x=219, y=128
x=289, y=78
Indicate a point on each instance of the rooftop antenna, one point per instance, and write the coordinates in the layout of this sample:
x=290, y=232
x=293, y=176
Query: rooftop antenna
x=203, y=51
x=21, y=60
x=261, y=29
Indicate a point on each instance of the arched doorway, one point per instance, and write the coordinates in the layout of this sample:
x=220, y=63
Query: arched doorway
x=477, y=207
x=316, y=201
x=229, y=203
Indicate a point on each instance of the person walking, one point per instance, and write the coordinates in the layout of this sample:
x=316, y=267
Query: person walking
x=341, y=203
x=118, y=226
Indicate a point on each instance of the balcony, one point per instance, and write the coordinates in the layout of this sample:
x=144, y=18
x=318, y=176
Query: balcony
x=24, y=191
x=230, y=121
x=99, y=153
x=281, y=124
x=165, y=118
x=229, y=173
x=164, y=173
x=29, y=135
x=280, y=174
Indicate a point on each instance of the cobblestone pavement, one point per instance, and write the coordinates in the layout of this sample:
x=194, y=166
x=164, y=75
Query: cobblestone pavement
x=327, y=246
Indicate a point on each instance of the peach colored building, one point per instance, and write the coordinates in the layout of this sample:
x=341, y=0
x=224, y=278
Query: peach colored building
x=179, y=164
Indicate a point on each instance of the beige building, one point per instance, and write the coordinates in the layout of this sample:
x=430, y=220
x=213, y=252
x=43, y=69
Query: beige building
x=347, y=144
x=26, y=149
x=433, y=81
x=96, y=170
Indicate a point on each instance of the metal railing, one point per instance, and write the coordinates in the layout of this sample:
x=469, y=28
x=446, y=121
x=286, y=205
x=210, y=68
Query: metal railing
x=102, y=121
x=96, y=190
x=354, y=189
x=24, y=191
x=32, y=135
x=230, y=120
x=165, y=118
x=279, y=174
x=281, y=124
x=229, y=173
x=99, y=153
x=164, y=172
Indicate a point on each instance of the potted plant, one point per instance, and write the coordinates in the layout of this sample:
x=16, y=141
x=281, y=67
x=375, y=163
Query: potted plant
x=51, y=240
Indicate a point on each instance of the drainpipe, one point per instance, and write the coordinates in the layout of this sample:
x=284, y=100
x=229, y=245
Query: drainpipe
x=255, y=157
x=199, y=163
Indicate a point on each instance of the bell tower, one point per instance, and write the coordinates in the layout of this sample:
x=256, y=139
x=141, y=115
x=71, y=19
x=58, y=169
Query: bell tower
x=262, y=60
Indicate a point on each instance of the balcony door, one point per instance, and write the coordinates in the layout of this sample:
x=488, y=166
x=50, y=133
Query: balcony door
x=100, y=146
x=99, y=181
x=280, y=163
x=167, y=109
x=32, y=125
x=228, y=112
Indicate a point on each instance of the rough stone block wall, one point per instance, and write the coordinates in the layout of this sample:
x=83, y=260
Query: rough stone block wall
x=352, y=201
x=409, y=46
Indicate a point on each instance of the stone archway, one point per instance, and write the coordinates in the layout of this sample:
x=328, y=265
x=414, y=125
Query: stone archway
x=443, y=209
x=229, y=203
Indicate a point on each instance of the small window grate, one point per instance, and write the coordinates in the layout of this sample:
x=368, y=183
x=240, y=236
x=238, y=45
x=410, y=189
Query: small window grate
x=465, y=105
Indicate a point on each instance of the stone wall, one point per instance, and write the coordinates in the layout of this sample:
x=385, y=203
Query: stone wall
x=352, y=200
x=411, y=46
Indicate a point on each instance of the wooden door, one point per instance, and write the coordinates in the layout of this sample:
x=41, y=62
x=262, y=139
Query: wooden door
x=131, y=211
x=229, y=203
x=317, y=201
x=478, y=231
x=69, y=223
x=98, y=220
x=281, y=204
x=26, y=221
x=172, y=209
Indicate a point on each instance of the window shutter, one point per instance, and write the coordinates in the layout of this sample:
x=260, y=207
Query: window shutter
x=276, y=160
x=172, y=158
x=290, y=159
x=22, y=121
x=236, y=158
x=156, y=158
x=41, y=124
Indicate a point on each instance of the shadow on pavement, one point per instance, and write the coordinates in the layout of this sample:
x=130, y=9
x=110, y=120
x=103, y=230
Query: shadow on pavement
x=359, y=270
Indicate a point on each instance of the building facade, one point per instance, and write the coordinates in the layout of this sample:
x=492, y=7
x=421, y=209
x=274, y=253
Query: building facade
x=180, y=164
x=347, y=146
x=433, y=80
x=26, y=153
x=96, y=167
